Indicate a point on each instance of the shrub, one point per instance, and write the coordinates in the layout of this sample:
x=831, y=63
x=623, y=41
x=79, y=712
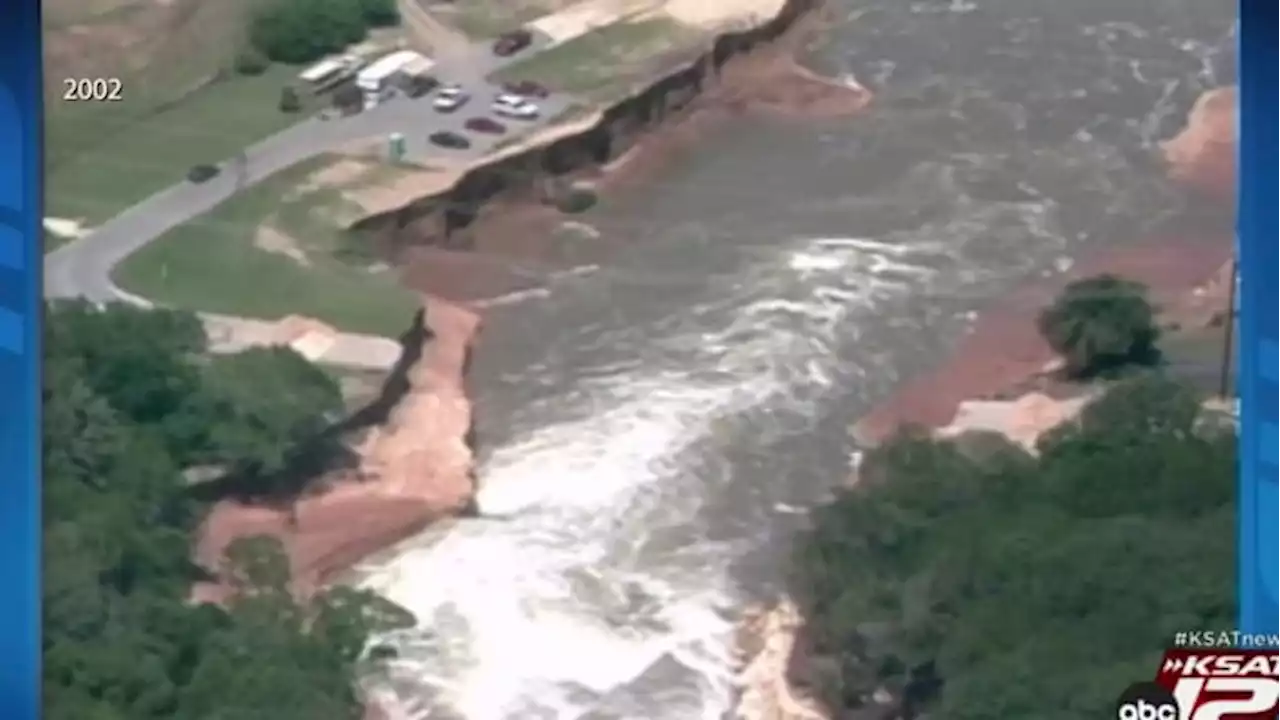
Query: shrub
x=379, y=13
x=251, y=61
x=289, y=100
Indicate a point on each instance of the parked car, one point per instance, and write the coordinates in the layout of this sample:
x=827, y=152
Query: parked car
x=513, y=106
x=451, y=140
x=486, y=125
x=512, y=42
x=526, y=88
x=203, y=173
x=450, y=98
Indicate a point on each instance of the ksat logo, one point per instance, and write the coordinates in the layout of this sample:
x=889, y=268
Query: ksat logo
x=1216, y=685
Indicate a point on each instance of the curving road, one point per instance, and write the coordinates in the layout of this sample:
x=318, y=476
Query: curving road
x=82, y=268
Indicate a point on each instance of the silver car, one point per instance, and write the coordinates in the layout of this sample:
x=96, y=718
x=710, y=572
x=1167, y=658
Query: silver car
x=514, y=106
x=450, y=98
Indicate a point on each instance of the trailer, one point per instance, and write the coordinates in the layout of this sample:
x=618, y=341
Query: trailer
x=382, y=75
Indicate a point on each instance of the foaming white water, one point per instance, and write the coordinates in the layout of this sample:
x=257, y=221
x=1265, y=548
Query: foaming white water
x=589, y=566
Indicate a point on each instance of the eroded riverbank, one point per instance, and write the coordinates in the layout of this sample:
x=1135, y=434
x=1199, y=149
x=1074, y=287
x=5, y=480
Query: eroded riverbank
x=655, y=424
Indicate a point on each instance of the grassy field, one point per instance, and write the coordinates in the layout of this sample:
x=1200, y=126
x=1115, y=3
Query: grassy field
x=217, y=263
x=602, y=63
x=142, y=156
x=161, y=50
x=180, y=104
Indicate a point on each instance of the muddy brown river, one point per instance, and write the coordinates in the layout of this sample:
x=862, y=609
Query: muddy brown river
x=654, y=427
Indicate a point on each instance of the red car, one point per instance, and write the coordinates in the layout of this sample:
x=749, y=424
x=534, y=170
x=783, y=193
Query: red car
x=485, y=125
x=510, y=43
x=527, y=89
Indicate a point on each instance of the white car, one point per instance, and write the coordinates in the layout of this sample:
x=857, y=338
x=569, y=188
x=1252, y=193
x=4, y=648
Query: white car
x=514, y=106
x=450, y=98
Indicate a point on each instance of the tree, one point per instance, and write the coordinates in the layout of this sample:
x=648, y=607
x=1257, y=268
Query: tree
x=270, y=404
x=298, y=31
x=1101, y=323
x=289, y=100
x=139, y=361
x=251, y=61
x=379, y=13
x=982, y=583
x=121, y=640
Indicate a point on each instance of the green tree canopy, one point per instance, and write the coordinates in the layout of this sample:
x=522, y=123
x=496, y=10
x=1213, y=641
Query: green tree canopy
x=379, y=13
x=267, y=405
x=121, y=641
x=298, y=31
x=141, y=362
x=1101, y=323
x=983, y=583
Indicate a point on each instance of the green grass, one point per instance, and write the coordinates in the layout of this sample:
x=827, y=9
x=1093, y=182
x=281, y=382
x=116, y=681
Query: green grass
x=212, y=264
x=601, y=62
x=139, y=158
x=163, y=51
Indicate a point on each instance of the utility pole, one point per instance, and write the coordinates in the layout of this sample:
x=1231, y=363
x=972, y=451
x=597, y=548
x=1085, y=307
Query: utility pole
x=1228, y=341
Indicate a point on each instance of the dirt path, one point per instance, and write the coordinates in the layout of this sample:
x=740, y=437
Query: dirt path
x=429, y=34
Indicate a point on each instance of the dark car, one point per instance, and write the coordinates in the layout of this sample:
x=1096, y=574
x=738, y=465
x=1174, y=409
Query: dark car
x=451, y=140
x=419, y=85
x=485, y=125
x=510, y=43
x=526, y=88
x=202, y=173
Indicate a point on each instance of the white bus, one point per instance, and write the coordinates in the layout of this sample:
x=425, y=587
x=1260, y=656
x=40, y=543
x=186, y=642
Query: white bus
x=322, y=71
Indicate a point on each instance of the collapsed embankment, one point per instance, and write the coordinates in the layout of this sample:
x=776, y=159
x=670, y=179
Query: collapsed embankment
x=413, y=466
x=460, y=243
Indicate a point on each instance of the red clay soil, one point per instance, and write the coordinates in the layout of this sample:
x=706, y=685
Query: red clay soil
x=1204, y=154
x=414, y=469
x=1004, y=350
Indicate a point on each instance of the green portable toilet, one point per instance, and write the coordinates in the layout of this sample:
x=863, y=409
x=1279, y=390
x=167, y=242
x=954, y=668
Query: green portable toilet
x=395, y=147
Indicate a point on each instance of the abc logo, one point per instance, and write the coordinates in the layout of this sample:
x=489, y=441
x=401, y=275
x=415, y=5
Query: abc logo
x=1146, y=701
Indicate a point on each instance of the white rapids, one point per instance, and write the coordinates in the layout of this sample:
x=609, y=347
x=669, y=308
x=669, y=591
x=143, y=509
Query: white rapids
x=570, y=584
x=657, y=418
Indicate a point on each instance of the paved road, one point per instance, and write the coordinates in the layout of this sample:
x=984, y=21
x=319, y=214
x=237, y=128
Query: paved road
x=82, y=268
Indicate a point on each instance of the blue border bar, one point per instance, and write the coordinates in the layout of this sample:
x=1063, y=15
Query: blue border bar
x=21, y=238
x=1257, y=238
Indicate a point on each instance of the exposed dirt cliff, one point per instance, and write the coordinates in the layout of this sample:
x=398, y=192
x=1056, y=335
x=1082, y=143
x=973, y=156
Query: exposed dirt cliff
x=1203, y=155
x=413, y=468
x=479, y=239
x=767, y=639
